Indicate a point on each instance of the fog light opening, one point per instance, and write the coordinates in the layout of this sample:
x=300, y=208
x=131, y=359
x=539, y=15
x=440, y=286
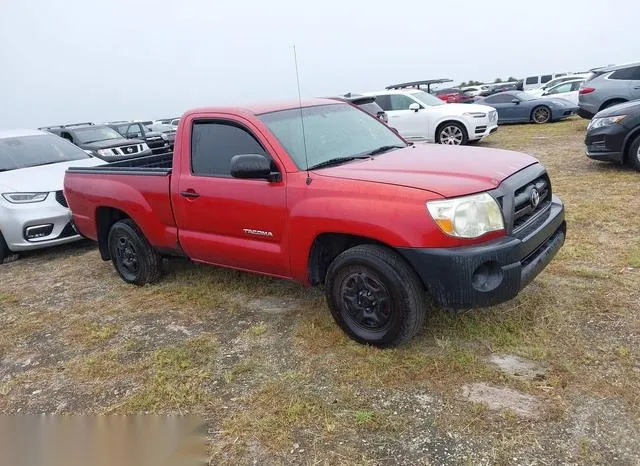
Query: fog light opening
x=37, y=232
x=487, y=277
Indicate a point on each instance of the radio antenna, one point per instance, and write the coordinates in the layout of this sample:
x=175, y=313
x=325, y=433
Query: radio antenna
x=304, y=137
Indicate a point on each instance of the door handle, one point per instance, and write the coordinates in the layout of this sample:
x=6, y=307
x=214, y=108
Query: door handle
x=189, y=193
x=637, y=87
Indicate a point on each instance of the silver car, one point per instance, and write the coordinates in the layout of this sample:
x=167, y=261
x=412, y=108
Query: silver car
x=33, y=209
x=608, y=86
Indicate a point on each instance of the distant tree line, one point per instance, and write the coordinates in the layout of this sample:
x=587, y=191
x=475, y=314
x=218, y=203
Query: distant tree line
x=496, y=81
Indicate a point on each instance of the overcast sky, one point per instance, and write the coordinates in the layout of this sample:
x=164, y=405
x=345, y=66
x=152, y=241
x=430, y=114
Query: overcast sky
x=64, y=61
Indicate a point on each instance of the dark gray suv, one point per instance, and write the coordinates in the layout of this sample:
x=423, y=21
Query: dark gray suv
x=608, y=86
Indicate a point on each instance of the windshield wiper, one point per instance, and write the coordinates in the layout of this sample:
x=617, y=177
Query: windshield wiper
x=337, y=161
x=382, y=149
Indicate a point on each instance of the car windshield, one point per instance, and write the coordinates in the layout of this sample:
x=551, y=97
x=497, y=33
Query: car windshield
x=95, y=133
x=330, y=132
x=32, y=151
x=427, y=99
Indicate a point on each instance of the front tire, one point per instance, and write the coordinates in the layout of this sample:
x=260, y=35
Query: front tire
x=131, y=254
x=452, y=134
x=375, y=296
x=633, y=156
x=541, y=114
x=4, y=249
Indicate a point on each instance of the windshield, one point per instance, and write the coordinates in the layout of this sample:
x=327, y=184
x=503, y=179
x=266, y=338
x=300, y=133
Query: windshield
x=427, y=99
x=331, y=131
x=162, y=128
x=95, y=133
x=32, y=151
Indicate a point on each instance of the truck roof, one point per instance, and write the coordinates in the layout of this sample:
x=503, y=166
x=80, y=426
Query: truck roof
x=268, y=107
x=19, y=133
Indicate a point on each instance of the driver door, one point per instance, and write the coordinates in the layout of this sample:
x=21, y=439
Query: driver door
x=503, y=103
x=411, y=124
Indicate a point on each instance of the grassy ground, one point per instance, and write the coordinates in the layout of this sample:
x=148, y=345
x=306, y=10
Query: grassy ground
x=262, y=360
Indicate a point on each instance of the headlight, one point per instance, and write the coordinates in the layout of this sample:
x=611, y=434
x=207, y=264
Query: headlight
x=602, y=122
x=164, y=136
x=105, y=152
x=475, y=114
x=25, y=198
x=468, y=216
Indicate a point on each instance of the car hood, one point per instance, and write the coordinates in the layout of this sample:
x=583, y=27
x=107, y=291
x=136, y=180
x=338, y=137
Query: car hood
x=45, y=178
x=620, y=109
x=445, y=170
x=111, y=143
x=459, y=109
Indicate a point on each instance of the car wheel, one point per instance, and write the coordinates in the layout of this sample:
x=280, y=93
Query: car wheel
x=4, y=249
x=633, y=156
x=541, y=114
x=375, y=296
x=453, y=134
x=133, y=257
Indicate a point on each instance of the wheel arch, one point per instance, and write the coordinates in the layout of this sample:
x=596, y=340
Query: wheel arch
x=106, y=217
x=612, y=101
x=448, y=120
x=327, y=246
x=626, y=145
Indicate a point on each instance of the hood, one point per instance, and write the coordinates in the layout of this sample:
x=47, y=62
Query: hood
x=446, y=170
x=620, y=109
x=44, y=178
x=459, y=109
x=111, y=143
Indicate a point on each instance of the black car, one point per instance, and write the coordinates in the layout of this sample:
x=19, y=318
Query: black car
x=157, y=141
x=101, y=140
x=366, y=103
x=613, y=135
x=504, y=87
x=168, y=130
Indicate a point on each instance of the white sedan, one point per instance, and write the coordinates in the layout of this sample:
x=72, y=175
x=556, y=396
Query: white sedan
x=420, y=116
x=567, y=90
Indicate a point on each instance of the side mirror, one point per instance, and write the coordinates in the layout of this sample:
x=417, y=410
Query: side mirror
x=252, y=166
x=515, y=101
x=414, y=106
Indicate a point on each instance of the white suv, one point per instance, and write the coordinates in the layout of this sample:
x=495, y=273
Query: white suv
x=418, y=115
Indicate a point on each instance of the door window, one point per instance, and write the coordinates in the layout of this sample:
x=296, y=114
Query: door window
x=632, y=73
x=561, y=88
x=545, y=78
x=400, y=102
x=134, y=131
x=214, y=143
x=499, y=99
x=532, y=80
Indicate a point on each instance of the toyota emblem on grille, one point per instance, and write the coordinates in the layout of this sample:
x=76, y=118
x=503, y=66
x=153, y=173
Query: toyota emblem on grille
x=535, y=198
x=129, y=149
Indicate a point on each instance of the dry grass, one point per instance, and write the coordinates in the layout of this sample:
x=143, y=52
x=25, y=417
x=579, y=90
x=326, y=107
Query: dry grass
x=286, y=385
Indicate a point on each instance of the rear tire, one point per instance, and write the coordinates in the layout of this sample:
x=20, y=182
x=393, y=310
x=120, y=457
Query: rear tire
x=452, y=133
x=375, y=296
x=541, y=114
x=633, y=156
x=131, y=254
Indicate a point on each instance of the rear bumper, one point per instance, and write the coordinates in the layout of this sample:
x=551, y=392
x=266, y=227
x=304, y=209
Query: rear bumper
x=491, y=273
x=587, y=115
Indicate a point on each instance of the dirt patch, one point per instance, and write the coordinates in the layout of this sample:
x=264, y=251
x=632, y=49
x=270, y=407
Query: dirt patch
x=499, y=399
x=518, y=367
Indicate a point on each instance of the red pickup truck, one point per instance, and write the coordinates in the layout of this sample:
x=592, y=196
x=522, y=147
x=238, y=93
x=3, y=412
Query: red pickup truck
x=322, y=192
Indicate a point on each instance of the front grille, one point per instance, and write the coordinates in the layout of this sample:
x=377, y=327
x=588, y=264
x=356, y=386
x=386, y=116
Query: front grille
x=127, y=150
x=61, y=199
x=530, y=199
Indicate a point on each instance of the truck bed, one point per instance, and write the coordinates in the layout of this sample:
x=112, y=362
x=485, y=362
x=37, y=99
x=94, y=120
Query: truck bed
x=159, y=165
